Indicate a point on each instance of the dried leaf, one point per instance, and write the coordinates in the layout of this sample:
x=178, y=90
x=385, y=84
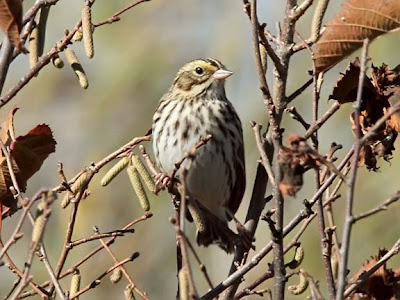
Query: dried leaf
x=7, y=127
x=393, y=94
x=11, y=21
x=356, y=21
x=27, y=154
x=380, y=285
x=346, y=87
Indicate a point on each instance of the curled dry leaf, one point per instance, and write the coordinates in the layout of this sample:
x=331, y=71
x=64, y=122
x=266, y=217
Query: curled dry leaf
x=27, y=155
x=380, y=92
x=11, y=21
x=381, y=285
x=356, y=21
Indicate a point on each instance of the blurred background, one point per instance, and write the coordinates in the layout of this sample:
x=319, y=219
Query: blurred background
x=135, y=62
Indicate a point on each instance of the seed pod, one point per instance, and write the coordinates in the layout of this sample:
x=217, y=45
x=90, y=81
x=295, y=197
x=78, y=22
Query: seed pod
x=75, y=284
x=144, y=173
x=87, y=30
x=128, y=292
x=74, y=188
x=33, y=46
x=77, y=67
x=57, y=62
x=138, y=187
x=299, y=288
x=114, y=171
x=116, y=275
x=297, y=259
x=183, y=285
x=44, y=13
x=264, y=58
x=78, y=35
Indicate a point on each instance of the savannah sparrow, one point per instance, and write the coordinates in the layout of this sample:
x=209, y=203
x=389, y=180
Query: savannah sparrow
x=196, y=106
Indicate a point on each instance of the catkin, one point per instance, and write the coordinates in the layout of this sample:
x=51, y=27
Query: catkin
x=33, y=46
x=57, y=62
x=128, y=292
x=299, y=288
x=138, y=187
x=75, y=284
x=297, y=259
x=38, y=228
x=74, y=188
x=77, y=67
x=264, y=57
x=144, y=173
x=87, y=31
x=116, y=275
x=197, y=217
x=78, y=35
x=114, y=171
x=317, y=19
x=183, y=285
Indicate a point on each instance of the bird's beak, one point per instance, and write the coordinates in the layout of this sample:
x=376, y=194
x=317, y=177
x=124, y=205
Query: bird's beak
x=222, y=74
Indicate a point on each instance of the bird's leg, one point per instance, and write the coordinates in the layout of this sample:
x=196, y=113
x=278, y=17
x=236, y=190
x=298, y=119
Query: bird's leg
x=243, y=237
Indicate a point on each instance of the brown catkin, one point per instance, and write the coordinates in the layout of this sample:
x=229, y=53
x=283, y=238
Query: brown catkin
x=75, y=284
x=57, y=62
x=115, y=170
x=144, y=173
x=128, y=293
x=138, y=187
x=183, y=285
x=77, y=67
x=116, y=275
x=33, y=46
x=87, y=31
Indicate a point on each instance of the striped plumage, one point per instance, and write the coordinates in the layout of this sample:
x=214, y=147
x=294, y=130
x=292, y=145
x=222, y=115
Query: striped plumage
x=196, y=106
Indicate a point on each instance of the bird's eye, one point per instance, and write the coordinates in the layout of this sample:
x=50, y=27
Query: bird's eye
x=199, y=70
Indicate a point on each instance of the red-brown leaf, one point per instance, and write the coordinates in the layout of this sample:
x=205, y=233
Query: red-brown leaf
x=356, y=21
x=11, y=20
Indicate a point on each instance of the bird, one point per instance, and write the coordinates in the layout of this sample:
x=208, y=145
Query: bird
x=196, y=106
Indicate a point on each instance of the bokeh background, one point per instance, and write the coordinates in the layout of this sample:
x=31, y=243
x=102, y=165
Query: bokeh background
x=135, y=61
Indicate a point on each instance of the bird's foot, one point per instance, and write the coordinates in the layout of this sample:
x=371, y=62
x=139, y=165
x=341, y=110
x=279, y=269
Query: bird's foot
x=244, y=237
x=162, y=180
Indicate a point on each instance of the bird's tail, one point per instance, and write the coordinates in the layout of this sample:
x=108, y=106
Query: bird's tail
x=211, y=230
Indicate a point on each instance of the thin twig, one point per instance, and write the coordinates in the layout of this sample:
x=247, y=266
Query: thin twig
x=348, y=223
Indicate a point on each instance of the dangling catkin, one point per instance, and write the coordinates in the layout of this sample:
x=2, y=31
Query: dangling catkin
x=74, y=188
x=128, y=292
x=183, y=285
x=75, y=284
x=299, y=288
x=33, y=46
x=138, y=187
x=87, y=30
x=114, y=171
x=144, y=173
x=116, y=275
x=77, y=67
x=57, y=62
